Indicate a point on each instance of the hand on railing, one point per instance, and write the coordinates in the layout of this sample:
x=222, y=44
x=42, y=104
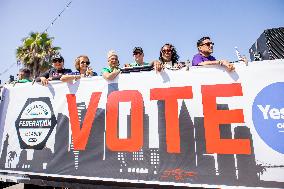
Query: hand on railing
x=158, y=66
x=230, y=67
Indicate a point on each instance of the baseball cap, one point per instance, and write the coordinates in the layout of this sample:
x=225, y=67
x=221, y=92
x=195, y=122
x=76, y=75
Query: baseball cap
x=137, y=49
x=57, y=57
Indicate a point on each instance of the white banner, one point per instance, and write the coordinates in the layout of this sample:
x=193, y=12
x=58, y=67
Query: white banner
x=202, y=127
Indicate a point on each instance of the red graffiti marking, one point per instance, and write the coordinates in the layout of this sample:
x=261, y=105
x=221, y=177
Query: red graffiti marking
x=178, y=174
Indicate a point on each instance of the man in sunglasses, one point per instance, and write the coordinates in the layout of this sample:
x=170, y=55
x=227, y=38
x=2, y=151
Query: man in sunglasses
x=204, y=57
x=138, y=56
x=54, y=73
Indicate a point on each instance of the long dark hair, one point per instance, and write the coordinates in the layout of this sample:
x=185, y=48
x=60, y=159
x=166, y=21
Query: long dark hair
x=174, y=57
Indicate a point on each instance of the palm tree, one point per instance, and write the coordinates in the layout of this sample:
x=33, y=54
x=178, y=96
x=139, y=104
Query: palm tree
x=35, y=52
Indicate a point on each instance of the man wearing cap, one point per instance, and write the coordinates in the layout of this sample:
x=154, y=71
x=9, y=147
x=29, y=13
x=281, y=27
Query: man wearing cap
x=138, y=56
x=204, y=57
x=112, y=70
x=54, y=73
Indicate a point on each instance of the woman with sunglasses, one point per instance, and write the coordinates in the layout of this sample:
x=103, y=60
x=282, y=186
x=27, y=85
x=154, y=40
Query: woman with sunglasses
x=82, y=65
x=168, y=58
x=204, y=57
x=54, y=73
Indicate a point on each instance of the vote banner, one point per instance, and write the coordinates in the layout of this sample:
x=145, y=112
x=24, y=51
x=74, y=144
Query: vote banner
x=201, y=127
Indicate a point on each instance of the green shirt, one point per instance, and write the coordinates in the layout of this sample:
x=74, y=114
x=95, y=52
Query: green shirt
x=136, y=64
x=108, y=70
x=24, y=81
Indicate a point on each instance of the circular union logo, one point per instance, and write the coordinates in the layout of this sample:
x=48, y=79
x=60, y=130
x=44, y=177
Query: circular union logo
x=35, y=123
x=268, y=115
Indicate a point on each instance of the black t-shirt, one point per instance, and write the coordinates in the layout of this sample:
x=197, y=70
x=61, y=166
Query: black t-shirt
x=54, y=73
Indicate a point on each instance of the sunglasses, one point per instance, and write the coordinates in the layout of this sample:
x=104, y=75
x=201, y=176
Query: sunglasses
x=57, y=60
x=83, y=62
x=135, y=53
x=167, y=51
x=207, y=44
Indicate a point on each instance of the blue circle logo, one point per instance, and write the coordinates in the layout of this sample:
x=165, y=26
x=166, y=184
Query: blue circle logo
x=268, y=115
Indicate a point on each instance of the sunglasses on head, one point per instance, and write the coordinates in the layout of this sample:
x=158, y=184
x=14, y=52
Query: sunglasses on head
x=57, y=60
x=83, y=62
x=207, y=44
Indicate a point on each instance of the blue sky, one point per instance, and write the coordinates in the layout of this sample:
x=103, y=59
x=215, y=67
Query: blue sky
x=93, y=27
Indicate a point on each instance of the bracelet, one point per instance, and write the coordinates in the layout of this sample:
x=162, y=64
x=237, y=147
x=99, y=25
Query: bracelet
x=220, y=62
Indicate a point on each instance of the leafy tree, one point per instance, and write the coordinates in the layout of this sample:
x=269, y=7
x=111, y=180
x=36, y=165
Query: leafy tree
x=36, y=51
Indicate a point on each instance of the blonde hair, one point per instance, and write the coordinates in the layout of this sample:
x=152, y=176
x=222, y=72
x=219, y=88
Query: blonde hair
x=111, y=53
x=77, y=61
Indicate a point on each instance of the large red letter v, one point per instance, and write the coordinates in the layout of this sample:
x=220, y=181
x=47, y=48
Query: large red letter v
x=81, y=136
